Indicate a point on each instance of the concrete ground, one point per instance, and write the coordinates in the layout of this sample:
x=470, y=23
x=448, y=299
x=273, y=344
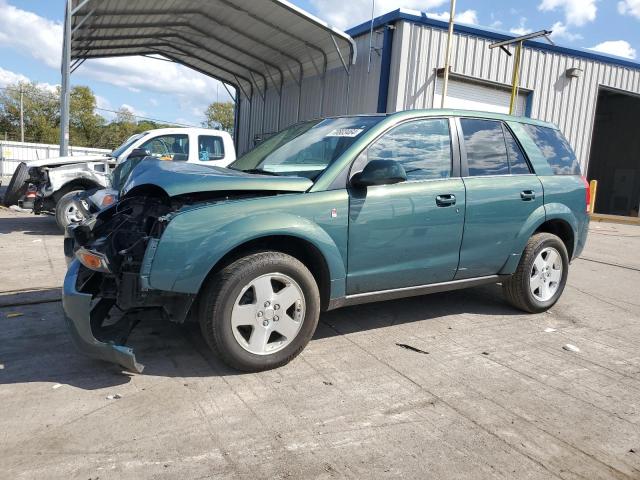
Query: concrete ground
x=453, y=385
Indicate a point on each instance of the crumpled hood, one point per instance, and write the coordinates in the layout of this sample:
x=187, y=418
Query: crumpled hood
x=45, y=162
x=179, y=178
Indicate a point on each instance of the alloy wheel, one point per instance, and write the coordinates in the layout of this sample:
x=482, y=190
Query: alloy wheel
x=268, y=314
x=546, y=274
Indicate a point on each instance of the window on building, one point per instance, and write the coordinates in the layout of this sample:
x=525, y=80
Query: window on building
x=210, y=148
x=555, y=149
x=423, y=147
x=485, y=146
x=169, y=147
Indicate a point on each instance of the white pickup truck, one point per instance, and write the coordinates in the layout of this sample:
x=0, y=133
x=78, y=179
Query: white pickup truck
x=50, y=186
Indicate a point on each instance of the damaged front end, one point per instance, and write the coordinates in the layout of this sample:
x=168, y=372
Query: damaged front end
x=106, y=291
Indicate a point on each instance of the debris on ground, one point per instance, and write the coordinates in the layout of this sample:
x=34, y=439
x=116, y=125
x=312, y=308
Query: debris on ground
x=413, y=349
x=549, y=330
x=115, y=396
x=327, y=383
x=14, y=314
x=56, y=386
x=16, y=208
x=485, y=353
x=1, y=366
x=571, y=348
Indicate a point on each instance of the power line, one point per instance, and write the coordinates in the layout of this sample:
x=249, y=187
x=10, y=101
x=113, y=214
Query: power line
x=148, y=118
x=50, y=95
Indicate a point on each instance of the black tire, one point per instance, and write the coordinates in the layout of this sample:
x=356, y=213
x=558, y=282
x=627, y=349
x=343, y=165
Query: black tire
x=61, y=206
x=517, y=288
x=219, y=296
x=17, y=186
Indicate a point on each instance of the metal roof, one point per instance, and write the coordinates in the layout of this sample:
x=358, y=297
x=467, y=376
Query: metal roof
x=249, y=44
x=485, y=32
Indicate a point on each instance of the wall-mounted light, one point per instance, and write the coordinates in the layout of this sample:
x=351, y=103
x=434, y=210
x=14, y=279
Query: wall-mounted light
x=574, y=72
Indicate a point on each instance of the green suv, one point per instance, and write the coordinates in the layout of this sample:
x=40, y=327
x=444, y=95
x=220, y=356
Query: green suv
x=325, y=214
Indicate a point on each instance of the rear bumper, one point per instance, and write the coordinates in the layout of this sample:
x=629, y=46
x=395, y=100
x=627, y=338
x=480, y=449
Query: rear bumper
x=78, y=311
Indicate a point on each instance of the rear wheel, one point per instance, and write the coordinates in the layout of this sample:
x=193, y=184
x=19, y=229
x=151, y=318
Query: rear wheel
x=68, y=211
x=260, y=311
x=541, y=275
x=17, y=186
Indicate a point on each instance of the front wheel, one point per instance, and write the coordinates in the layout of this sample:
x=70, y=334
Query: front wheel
x=68, y=211
x=260, y=311
x=541, y=275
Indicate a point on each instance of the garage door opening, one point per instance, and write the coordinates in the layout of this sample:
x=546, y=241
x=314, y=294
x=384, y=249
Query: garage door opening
x=615, y=153
x=482, y=96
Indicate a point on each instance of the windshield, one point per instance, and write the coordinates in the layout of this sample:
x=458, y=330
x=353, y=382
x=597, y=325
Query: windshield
x=122, y=148
x=305, y=149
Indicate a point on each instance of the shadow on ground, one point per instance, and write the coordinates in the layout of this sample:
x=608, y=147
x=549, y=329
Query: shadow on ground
x=37, y=347
x=30, y=225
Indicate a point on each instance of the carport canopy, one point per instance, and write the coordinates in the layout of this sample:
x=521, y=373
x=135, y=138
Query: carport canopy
x=252, y=45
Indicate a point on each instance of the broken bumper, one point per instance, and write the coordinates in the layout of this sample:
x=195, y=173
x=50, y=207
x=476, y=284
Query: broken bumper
x=78, y=310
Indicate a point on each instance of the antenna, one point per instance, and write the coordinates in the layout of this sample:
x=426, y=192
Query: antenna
x=373, y=14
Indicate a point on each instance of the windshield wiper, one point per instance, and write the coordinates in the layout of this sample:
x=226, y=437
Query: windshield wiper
x=259, y=171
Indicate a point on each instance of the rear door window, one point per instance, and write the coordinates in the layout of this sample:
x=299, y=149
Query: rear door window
x=486, y=148
x=555, y=149
x=210, y=148
x=518, y=164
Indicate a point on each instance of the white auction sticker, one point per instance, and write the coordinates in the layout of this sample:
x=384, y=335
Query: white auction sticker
x=345, y=132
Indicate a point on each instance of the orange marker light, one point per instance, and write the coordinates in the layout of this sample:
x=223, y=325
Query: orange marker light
x=90, y=261
x=108, y=200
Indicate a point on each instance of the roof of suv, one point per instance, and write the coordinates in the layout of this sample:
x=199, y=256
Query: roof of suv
x=471, y=113
x=450, y=112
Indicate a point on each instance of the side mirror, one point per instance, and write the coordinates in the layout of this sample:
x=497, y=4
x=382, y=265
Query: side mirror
x=380, y=172
x=139, y=153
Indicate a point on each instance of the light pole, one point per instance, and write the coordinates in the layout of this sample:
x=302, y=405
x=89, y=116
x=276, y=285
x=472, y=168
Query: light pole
x=447, y=60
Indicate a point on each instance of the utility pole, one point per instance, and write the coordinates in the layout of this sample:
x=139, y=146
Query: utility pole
x=21, y=114
x=447, y=60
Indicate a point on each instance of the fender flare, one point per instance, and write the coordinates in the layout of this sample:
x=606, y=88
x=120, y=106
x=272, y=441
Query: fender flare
x=541, y=215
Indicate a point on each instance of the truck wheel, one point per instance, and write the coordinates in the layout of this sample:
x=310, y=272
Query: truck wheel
x=17, y=186
x=67, y=211
x=260, y=311
x=541, y=275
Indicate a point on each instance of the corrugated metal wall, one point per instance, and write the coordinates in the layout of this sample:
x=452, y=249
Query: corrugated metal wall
x=417, y=51
x=315, y=100
x=569, y=103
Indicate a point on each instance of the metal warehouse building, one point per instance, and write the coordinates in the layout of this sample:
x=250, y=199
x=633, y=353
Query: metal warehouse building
x=593, y=98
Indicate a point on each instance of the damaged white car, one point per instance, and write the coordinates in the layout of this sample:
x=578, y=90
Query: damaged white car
x=52, y=185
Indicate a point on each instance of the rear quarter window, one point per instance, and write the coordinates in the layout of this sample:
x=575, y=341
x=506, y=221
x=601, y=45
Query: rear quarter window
x=555, y=149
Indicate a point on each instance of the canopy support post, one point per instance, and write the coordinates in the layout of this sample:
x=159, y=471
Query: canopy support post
x=66, y=77
x=346, y=69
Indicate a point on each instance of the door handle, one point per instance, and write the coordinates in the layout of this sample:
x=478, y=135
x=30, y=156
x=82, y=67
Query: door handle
x=445, y=200
x=528, y=195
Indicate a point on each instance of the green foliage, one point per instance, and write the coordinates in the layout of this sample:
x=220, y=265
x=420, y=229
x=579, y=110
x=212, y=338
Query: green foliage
x=222, y=113
x=41, y=112
x=42, y=117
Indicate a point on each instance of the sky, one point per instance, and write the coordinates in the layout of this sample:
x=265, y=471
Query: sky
x=31, y=38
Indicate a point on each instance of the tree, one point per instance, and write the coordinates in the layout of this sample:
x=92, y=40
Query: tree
x=41, y=112
x=84, y=123
x=220, y=114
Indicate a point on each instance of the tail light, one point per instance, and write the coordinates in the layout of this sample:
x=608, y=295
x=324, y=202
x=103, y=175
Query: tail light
x=587, y=194
x=32, y=192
